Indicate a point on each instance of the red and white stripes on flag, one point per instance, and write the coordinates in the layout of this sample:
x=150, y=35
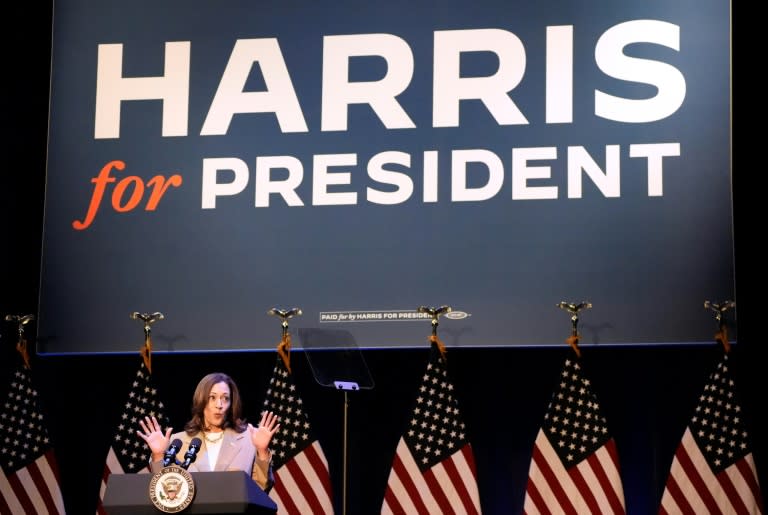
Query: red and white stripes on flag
x=433, y=471
x=713, y=470
x=29, y=475
x=33, y=489
x=585, y=488
x=574, y=466
x=443, y=488
x=302, y=480
x=112, y=466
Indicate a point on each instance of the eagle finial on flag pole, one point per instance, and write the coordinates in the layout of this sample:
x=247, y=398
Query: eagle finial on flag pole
x=21, y=344
x=284, y=347
x=148, y=319
x=435, y=313
x=574, y=309
x=720, y=309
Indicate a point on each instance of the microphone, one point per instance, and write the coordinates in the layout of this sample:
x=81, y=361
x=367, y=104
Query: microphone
x=191, y=454
x=170, y=454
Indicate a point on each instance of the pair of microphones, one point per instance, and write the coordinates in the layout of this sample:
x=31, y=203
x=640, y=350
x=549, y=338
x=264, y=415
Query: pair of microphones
x=189, y=457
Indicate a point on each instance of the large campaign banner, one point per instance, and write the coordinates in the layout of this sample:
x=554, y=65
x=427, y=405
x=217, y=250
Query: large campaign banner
x=358, y=160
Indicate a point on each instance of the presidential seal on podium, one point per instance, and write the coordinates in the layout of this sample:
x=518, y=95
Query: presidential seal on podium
x=172, y=489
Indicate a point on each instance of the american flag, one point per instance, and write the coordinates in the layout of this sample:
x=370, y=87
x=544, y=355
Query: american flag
x=128, y=453
x=302, y=478
x=433, y=471
x=713, y=470
x=29, y=474
x=575, y=465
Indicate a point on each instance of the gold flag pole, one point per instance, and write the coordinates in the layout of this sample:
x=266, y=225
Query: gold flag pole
x=21, y=344
x=722, y=325
x=573, y=309
x=148, y=319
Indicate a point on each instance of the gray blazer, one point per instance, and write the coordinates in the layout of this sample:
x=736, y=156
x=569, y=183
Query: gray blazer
x=237, y=453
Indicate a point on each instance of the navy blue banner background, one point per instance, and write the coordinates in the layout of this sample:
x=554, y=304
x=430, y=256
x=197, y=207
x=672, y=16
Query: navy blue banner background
x=645, y=261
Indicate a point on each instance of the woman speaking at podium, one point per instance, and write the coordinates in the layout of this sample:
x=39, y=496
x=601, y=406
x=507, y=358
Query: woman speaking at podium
x=226, y=441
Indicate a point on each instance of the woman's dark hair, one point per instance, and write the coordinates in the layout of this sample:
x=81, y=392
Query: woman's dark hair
x=233, y=416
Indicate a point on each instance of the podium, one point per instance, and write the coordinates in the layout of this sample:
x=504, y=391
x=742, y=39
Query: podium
x=223, y=493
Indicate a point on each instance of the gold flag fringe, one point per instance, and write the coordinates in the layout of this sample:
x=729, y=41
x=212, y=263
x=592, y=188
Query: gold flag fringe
x=722, y=337
x=284, y=350
x=146, y=352
x=440, y=346
x=21, y=346
x=573, y=341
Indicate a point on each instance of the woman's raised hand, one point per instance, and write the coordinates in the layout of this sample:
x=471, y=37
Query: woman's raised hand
x=262, y=434
x=153, y=434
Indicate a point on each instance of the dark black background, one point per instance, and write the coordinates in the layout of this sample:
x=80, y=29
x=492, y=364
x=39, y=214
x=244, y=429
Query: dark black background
x=648, y=393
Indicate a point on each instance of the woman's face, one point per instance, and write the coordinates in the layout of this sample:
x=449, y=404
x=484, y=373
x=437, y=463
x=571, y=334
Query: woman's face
x=219, y=400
